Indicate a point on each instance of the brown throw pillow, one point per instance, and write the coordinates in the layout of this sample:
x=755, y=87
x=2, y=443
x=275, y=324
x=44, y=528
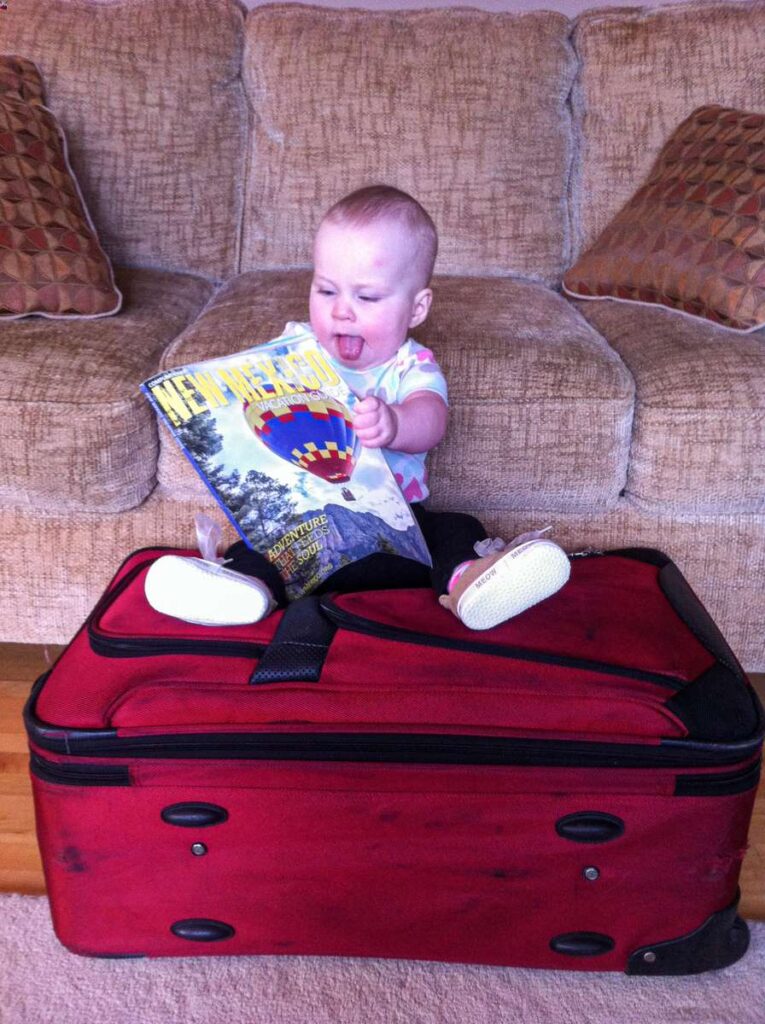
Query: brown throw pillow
x=50, y=261
x=692, y=238
x=20, y=80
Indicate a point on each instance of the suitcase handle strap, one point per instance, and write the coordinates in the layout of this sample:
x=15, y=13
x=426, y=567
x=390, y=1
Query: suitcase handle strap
x=299, y=647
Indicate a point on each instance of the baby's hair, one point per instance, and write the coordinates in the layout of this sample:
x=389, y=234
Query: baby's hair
x=384, y=202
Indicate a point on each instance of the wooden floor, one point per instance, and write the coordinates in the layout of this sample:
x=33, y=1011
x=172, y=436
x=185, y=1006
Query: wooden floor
x=20, y=869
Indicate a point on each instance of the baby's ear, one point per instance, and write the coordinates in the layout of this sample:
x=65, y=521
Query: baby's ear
x=421, y=306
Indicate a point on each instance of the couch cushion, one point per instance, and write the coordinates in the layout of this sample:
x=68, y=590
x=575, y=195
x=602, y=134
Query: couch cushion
x=464, y=109
x=707, y=51
x=51, y=263
x=149, y=96
x=541, y=408
x=77, y=433
x=247, y=310
x=699, y=437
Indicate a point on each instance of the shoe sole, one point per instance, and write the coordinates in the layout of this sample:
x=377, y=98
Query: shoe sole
x=520, y=579
x=205, y=594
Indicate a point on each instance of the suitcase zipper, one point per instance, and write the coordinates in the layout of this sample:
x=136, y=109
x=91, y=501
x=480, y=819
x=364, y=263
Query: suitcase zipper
x=79, y=774
x=359, y=624
x=144, y=647
x=688, y=785
x=390, y=748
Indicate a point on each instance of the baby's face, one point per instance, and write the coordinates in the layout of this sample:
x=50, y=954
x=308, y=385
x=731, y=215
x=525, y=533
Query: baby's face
x=366, y=291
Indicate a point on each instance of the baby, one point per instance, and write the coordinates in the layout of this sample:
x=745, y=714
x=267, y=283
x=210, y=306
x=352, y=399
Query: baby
x=374, y=254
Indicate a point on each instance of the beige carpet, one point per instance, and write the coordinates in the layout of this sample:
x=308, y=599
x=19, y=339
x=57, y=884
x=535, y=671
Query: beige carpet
x=41, y=983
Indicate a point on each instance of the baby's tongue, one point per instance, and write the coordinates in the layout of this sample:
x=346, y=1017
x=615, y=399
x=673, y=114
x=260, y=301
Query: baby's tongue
x=349, y=346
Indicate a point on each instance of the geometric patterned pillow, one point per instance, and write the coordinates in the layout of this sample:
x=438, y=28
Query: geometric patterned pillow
x=20, y=80
x=51, y=263
x=692, y=238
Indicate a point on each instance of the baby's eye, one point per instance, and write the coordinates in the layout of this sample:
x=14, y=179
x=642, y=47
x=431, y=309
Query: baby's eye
x=369, y=298
x=324, y=291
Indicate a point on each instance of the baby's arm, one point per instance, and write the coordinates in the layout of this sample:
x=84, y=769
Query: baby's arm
x=415, y=425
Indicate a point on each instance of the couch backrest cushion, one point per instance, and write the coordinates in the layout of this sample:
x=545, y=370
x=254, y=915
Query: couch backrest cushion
x=643, y=71
x=149, y=97
x=463, y=108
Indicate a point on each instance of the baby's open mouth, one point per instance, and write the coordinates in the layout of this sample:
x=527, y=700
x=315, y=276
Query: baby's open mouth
x=349, y=346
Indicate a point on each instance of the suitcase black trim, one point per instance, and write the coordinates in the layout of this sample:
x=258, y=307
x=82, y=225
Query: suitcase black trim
x=78, y=774
x=684, y=601
x=414, y=748
x=724, y=784
x=321, y=748
x=719, y=704
x=719, y=942
x=145, y=647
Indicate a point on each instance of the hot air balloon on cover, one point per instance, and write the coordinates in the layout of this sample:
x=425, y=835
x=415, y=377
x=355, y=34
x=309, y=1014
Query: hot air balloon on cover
x=308, y=429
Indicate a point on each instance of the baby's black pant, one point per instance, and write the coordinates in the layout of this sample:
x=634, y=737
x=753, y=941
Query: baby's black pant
x=450, y=537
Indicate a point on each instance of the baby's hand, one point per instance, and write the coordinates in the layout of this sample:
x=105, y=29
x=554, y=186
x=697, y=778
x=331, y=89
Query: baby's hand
x=375, y=422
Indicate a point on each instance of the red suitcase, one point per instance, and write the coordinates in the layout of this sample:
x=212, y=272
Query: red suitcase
x=362, y=776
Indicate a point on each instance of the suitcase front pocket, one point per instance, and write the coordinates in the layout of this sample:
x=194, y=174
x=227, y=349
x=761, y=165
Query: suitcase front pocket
x=573, y=667
x=124, y=625
x=360, y=624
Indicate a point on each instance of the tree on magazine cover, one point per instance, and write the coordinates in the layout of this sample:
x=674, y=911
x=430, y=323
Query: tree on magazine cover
x=201, y=437
x=260, y=505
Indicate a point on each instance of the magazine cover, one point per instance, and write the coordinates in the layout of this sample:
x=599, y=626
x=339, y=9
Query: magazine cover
x=269, y=431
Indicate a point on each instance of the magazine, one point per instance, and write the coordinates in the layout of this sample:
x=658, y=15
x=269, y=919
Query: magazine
x=269, y=431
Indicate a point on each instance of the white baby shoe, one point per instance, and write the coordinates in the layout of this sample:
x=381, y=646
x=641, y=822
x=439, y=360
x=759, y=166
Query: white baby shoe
x=205, y=593
x=496, y=587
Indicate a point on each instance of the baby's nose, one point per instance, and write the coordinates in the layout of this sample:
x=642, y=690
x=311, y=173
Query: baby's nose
x=342, y=309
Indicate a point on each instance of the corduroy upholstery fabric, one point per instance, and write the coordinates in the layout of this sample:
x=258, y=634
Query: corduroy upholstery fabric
x=692, y=238
x=464, y=109
x=51, y=263
x=698, y=442
x=77, y=433
x=541, y=407
x=150, y=100
x=643, y=70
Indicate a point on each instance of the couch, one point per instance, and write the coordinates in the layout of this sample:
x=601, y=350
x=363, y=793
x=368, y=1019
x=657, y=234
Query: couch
x=207, y=140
